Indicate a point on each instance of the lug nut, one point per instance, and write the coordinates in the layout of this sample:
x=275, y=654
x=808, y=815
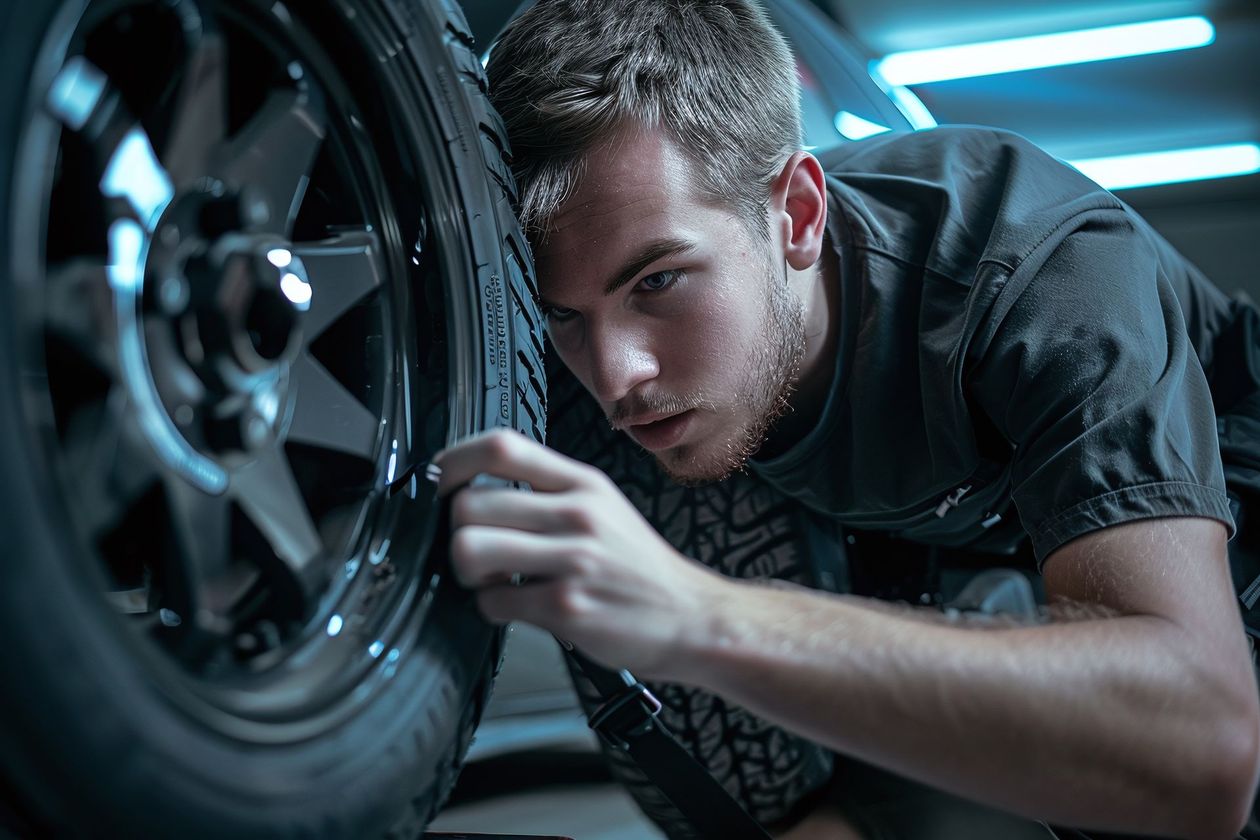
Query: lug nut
x=257, y=213
x=255, y=432
x=174, y=294
x=240, y=431
x=242, y=312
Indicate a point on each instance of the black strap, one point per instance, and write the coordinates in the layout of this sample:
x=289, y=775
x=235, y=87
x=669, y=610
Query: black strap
x=627, y=720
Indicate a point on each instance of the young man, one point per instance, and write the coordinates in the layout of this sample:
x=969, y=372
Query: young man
x=946, y=336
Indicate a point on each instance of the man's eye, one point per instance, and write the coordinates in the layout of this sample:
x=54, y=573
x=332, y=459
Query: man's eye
x=557, y=313
x=660, y=281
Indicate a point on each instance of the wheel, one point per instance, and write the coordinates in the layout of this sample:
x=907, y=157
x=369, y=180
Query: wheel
x=259, y=265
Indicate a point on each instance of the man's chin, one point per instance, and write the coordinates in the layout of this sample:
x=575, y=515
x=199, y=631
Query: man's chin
x=690, y=465
x=690, y=474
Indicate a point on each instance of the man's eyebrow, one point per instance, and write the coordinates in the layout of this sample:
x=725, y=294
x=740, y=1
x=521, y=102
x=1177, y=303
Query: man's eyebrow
x=654, y=251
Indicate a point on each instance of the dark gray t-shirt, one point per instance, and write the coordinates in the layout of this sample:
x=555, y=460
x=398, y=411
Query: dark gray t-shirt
x=1011, y=331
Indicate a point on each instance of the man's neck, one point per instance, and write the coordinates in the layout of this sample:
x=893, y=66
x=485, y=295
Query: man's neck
x=822, y=338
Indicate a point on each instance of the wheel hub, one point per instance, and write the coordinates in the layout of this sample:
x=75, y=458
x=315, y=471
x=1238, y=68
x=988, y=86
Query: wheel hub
x=231, y=300
x=231, y=443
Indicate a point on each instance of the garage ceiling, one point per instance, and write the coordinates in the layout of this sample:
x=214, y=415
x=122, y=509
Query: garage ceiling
x=1198, y=97
x=1192, y=97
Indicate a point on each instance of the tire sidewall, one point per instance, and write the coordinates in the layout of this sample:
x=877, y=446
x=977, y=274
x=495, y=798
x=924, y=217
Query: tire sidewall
x=88, y=740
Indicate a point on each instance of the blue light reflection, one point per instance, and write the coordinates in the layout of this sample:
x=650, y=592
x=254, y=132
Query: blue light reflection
x=133, y=173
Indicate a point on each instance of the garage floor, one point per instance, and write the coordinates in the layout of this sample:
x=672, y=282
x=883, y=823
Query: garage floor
x=584, y=812
x=566, y=793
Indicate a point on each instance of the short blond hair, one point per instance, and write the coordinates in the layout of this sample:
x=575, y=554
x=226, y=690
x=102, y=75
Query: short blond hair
x=714, y=75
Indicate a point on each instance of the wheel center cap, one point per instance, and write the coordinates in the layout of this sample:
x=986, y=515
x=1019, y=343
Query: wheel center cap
x=234, y=301
x=246, y=293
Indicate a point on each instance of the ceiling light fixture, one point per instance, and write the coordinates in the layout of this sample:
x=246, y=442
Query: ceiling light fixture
x=917, y=67
x=853, y=127
x=1172, y=167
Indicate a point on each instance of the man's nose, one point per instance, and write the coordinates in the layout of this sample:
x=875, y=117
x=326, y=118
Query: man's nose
x=620, y=361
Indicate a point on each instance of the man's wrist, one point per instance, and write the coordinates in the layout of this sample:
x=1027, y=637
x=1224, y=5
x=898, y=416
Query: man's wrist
x=713, y=635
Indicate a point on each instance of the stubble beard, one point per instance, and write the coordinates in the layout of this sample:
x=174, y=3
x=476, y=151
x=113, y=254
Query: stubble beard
x=771, y=374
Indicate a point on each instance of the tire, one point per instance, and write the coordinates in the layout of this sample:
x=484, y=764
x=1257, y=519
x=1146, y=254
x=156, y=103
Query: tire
x=223, y=597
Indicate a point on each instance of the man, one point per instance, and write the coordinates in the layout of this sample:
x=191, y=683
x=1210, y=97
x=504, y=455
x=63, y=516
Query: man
x=907, y=340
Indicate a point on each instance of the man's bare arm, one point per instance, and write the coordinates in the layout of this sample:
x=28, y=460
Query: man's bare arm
x=1146, y=721
x=1142, y=722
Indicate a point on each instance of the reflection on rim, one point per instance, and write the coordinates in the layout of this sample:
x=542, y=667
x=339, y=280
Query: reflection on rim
x=232, y=364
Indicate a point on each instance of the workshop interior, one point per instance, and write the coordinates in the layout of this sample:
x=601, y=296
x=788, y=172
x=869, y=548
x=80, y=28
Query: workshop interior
x=261, y=264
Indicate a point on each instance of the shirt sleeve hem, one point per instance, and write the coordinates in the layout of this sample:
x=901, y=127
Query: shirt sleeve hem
x=1128, y=504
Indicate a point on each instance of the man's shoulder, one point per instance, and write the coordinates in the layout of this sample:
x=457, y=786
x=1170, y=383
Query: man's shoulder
x=915, y=153
x=952, y=197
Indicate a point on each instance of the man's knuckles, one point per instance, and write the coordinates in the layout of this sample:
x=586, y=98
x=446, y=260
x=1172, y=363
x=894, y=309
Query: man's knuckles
x=564, y=602
x=489, y=452
x=501, y=447
x=569, y=601
x=575, y=517
x=504, y=449
x=473, y=554
x=552, y=605
x=590, y=476
x=464, y=508
x=560, y=513
x=582, y=558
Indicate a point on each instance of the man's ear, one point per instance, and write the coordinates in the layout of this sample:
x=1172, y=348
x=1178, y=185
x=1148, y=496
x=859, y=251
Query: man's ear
x=798, y=205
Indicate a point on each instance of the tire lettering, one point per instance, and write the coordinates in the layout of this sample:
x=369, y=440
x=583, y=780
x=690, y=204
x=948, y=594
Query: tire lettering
x=497, y=324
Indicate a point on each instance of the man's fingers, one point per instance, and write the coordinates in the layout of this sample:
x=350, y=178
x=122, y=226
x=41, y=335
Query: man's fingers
x=508, y=455
x=504, y=507
x=485, y=555
x=552, y=605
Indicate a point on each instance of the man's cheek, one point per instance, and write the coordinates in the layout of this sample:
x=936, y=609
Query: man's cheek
x=563, y=344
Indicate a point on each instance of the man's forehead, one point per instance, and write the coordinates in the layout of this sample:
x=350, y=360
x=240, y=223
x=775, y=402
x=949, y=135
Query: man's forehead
x=634, y=173
x=616, y=204
x=636, y=188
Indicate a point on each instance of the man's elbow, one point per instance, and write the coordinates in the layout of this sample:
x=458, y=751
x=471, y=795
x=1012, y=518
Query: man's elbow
x=1225, y=801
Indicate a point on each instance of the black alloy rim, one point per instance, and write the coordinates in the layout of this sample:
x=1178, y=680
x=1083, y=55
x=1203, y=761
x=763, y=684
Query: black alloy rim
x=227, y=367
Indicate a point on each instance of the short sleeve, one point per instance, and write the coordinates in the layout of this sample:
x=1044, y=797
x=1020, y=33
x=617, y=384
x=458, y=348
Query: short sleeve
x=1085, y=366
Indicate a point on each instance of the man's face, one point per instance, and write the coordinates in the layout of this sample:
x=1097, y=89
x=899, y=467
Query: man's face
x=669, y=310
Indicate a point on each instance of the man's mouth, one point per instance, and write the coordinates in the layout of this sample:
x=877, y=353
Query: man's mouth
x=657, y=432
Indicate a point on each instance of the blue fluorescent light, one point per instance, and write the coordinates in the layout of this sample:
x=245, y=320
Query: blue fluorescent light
x=855, y=128
x=912, y=107
x=1174, y=167
x=916, y=67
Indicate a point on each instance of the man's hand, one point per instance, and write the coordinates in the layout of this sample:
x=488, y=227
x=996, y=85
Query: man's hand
x=595, y=571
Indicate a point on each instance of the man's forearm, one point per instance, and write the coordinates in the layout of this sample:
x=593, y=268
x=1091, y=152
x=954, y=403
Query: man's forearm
x=1110, y=724
x=1148, y=721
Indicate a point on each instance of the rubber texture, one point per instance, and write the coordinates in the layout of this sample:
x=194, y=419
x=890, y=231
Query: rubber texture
x=88, y=744
x=742, y=528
